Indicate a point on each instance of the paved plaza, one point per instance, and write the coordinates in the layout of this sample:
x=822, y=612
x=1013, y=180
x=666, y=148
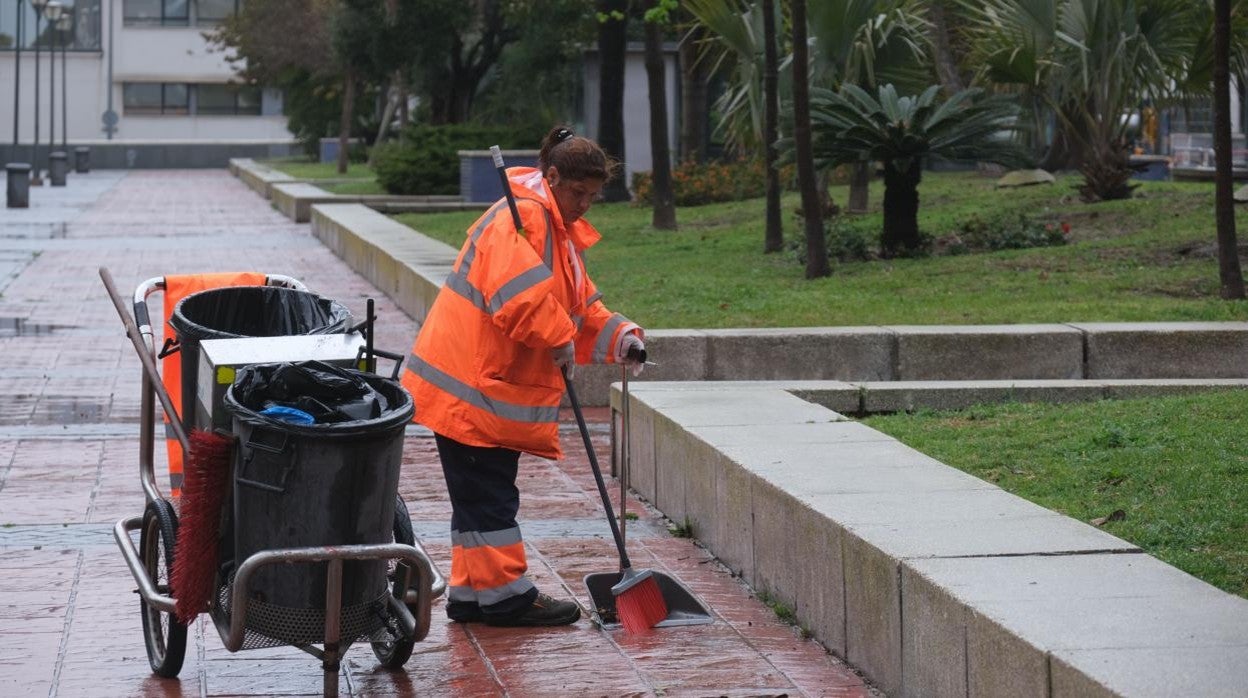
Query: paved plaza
x=69, y=425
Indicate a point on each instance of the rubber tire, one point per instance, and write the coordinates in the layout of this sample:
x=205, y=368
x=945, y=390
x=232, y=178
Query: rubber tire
x=393, y=655
x=163, y=635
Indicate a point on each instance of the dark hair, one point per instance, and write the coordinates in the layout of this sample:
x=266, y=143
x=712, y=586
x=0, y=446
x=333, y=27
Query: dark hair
x=576, y=157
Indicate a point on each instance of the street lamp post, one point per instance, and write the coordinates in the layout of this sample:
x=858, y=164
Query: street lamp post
x=35, y=179
x=57, y=160
x=17, y=78
x=64, y=25
x=17, y=174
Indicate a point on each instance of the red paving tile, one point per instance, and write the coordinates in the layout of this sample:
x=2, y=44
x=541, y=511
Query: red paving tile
x=69, y=620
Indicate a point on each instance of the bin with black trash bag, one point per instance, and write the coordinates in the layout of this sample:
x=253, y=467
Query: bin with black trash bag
x=329, y=482
x=246, y=311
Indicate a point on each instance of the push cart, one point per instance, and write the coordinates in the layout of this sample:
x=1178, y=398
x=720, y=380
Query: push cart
x=392, y=622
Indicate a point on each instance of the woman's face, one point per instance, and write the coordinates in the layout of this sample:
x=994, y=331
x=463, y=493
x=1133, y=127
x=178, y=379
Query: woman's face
x=573, y=196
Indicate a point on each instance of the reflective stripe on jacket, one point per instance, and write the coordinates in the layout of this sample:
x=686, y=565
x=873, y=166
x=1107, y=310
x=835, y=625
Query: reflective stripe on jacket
x=481, y=371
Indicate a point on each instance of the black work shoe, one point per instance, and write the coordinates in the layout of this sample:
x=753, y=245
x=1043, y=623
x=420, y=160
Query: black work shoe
x=464, y=612
x=544, y=611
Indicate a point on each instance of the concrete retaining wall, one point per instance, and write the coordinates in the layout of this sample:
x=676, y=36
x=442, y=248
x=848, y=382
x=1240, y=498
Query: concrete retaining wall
x=931, y=581
x=1016, y=353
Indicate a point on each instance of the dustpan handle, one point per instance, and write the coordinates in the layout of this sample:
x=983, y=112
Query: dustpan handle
x=593, y=464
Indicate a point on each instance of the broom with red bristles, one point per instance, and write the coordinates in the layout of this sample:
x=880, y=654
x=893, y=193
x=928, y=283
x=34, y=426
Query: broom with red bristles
x=207, y=473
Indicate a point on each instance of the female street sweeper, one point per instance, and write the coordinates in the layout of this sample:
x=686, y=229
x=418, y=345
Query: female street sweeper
x=517, y=310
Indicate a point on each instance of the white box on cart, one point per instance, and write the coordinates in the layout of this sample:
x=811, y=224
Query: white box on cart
x=220, y=360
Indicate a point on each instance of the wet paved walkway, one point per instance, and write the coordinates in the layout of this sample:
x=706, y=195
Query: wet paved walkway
x=69, y=617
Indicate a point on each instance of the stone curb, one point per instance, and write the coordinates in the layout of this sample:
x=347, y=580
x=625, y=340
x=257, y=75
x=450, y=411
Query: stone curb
x=295, y=200
x=931, y=581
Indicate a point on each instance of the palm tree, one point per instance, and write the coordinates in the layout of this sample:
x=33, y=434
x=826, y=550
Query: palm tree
x=664, y=215
x=1231, y=276
x=1089, y=62
x=816, y=246
x=773, y=240
x=612, y=44
x=853, y=126
x=868, y=43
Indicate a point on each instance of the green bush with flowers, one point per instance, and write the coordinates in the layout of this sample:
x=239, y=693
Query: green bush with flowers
x=695, y=184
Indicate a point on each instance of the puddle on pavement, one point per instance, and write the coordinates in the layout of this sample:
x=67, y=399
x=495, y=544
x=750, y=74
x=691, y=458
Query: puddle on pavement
x=21, y=327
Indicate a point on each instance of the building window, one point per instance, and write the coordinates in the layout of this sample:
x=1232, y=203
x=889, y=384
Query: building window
x=83, y=35
x=207, y=99
x=156, y=98
x=227, y=99
x=178, y=13
x=214, y=11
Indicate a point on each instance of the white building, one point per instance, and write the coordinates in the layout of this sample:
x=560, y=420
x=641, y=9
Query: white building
x=139, y=77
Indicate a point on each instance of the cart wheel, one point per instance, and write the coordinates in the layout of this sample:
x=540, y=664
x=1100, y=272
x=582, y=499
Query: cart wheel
x=164, y=636
x=395, y=653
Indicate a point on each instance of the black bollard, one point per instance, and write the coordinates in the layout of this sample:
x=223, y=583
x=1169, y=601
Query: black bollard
x=58, y=167
x=18, y=190
x=82, y=159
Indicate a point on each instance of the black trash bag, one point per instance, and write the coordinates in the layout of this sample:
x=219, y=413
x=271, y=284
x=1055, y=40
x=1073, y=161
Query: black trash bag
x=329, y=393
x=257, y=311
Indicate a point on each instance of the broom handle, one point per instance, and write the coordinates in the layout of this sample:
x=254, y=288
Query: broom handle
x=626, y=460
x=145, y=358
x=502, y=177
x=593, y=464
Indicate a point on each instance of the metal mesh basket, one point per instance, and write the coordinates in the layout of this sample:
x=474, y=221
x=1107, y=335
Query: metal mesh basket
x=269, y=625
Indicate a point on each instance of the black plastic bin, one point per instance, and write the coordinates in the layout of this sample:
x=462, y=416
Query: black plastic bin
x=246, y=311
x=310, y=485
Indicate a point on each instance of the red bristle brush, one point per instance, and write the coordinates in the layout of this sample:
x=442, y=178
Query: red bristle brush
x=207, y=474
x=639, y=602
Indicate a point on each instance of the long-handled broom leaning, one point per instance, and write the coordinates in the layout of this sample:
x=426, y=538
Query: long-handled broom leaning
x=638, y=600
x=206, y=473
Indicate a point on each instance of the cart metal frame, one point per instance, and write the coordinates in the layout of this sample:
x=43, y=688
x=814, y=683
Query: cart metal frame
x=416, y=580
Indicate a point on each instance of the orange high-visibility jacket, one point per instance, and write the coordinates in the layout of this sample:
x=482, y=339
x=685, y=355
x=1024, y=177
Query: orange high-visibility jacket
x=481, y=370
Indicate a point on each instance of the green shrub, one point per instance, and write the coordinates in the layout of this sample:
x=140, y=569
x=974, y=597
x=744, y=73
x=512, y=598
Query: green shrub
x=1008, y=231
x=426, y=161
x=695, y=183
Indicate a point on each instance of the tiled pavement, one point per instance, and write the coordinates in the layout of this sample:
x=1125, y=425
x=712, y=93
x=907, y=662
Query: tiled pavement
x=69, y=405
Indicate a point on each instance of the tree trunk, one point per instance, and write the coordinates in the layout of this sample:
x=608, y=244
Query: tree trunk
x=694, y=99
x=859, y=187
x=946, y=64
x=660, y=154
x=392, y=103
x=773, y=240
x=344, y=124
x=816, y=247
x=612, y=41
x=901, y=210
x=1229, y=271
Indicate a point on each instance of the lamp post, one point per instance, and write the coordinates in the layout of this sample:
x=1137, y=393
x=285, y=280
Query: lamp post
x=17, y=77
x=35, y=179
x=57, y=160
x=52, y=12
x=17, y=174
x=64, y=25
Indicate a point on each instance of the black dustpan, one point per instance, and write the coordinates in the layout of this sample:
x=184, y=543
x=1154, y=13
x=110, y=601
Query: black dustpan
x=682, y=607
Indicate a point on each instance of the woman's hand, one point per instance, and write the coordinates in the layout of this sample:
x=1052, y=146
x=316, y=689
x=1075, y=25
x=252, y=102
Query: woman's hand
x=634, y=353
x=565, y=358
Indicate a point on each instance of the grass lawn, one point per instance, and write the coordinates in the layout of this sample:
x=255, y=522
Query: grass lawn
x=1149, y=258
x=302, y=168
x=364, y=186
x=1176, y=469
